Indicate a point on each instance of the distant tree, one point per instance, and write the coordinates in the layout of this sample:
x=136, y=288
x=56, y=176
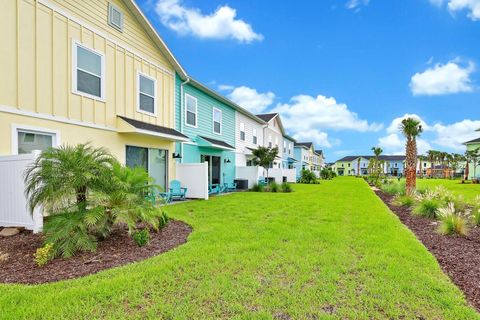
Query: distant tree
x=264, y=157
x=411, y=129
x=473, y=157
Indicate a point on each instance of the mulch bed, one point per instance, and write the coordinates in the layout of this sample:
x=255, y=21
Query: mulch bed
x=118, y=249
x=459, y=257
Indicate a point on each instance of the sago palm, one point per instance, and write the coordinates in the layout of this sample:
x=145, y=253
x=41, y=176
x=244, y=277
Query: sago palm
x=411, y=129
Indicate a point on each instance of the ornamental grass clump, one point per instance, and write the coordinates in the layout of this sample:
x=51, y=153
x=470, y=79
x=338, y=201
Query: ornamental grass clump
x=394, y=188
x=404, y=201
x=476, y=212
x=427, y=205
x=453, y=222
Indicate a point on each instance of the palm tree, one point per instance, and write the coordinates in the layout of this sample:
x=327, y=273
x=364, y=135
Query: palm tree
x=432, y=157
x=456, y=159
x=358, y=167
x=411, y=129
x=377, y=151
x=472, y=156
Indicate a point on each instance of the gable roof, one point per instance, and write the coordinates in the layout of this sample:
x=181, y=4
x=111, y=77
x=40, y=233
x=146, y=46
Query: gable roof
x=200, y=86
x=473, y=141
x=154, y=35
x=306, y=145
x=319, y=152
x=267, y=116
x=289, y=138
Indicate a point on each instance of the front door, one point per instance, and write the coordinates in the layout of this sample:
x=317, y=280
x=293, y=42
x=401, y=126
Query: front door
x=214, y=168
x=154, y=161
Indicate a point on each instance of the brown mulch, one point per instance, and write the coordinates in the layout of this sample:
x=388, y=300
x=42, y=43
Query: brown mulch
x=18, y=266
x=459, y=257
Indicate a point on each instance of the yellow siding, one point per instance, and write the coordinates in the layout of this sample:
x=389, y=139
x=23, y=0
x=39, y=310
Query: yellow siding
x=36, y=61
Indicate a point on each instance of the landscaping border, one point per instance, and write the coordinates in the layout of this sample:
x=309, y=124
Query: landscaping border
x=459, y=257
x=18, y=265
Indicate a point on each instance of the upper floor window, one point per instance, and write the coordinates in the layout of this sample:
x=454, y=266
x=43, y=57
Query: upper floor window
x=88, y=72
x=115, y=17
x=191, y=110
x=217, y=121
x=269, y=140
x=284, y=146
x=242, y=131
x=290, y=148
x=254, y=136
x=276, y=142
x=146, y=94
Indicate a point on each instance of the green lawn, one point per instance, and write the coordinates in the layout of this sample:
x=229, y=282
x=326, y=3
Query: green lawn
x=323, y=252
x=468, y=190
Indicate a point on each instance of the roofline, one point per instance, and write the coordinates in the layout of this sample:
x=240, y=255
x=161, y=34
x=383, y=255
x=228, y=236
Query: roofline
x=153, y=33
x=225, y=100
x=289, y=138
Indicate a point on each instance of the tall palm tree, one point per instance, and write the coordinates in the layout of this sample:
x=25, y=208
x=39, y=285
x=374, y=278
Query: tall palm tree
x=411, y=129
x=432, y=157
x=377, y=151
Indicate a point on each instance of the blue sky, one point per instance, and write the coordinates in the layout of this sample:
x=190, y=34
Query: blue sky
x=342, y=73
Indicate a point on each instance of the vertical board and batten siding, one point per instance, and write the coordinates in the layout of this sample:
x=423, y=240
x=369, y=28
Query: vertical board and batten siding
x=36, y=61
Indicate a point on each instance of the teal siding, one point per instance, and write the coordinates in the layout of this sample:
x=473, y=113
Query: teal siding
x=205, y=104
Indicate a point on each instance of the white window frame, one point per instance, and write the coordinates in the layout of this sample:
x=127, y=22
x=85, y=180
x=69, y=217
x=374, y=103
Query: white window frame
x=254, y=136
x=139, y=73
x=55, y=134
x=186, y=110
x=213, y=121
x=244, y=133
x=76, y=44
x=284, y=146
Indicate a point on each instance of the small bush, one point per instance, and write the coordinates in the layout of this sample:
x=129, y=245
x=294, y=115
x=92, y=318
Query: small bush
x=257, y=188
x=44, y=254
x=427, y=208
x=452, y=221
x=394, y=188
x=307, y=177
x=273, y=187
x=403, y=201
x=286, y=187
x=476, y=216
x=141, y=237
x=163, y=220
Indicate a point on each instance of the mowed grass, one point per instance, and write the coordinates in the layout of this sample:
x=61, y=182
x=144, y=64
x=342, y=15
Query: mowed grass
x=468, y=190
x=323, y=252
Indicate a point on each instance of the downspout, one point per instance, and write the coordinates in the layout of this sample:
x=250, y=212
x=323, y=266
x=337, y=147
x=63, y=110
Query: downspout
x=182, y=103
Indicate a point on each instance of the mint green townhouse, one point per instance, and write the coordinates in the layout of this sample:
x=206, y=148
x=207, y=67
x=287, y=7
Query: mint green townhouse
x=208, y=119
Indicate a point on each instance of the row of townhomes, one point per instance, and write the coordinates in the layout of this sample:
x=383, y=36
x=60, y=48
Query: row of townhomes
x=473, y=145
x=97, y=71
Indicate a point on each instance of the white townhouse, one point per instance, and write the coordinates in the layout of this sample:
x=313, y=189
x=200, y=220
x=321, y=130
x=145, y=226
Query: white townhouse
x=273, y=135
x=248, y=136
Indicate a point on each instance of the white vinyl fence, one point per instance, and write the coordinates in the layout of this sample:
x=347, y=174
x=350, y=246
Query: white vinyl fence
x=14, y=211
x=194, y=177
x=250, y=173
x=253, y=173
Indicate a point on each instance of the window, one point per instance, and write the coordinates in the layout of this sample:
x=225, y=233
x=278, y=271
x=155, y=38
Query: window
x=269, y=140
x=146, y=94
x=30, y=140
x=254, y=138
x=242, y=131
x=191, y=110
x=115, y=17
x=88, y=72
x=217, y=121
x=154, y=161
x=290, y=148
x=284, y=146
x=249, y=163
x=276, y=142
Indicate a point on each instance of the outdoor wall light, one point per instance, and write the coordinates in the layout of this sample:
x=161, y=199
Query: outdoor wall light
x=176, y=156
x=226, y=161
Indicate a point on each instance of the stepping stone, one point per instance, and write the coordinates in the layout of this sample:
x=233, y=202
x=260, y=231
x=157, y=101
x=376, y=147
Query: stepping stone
x=8, y=232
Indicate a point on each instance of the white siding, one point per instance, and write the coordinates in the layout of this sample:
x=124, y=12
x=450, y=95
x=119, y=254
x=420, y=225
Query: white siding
x=273, y=129
x=241, y=146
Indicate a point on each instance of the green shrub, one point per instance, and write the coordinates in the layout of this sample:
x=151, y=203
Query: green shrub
x=273, y=187
x=141, y=237
x=286, y=187
x=163, y=220
x=257, y=188
x=394, y=188
x=327, y=174
x=44, y=254
x=403, y=201
x=308, y=177
x=427, y=208
x=476, y=216
x=452, y=221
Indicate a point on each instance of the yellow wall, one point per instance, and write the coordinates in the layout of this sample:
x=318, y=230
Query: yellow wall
x=74, y=134
x=36, y=61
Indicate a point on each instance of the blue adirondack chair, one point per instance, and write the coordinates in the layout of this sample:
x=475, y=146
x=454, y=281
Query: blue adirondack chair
x=262, y=181
x=213, y=189
x=230, y=187
x=177, y=192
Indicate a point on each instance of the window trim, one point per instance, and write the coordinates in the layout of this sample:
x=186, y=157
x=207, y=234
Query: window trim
x=186, y=110
x=254, y=136
x=240, y=131
x=213, y=120
x=154, y=114
x=75, y=90
x=56, y=141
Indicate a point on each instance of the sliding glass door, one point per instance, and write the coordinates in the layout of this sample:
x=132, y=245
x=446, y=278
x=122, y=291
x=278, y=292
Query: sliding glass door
x=154, y=161
x=214, y=168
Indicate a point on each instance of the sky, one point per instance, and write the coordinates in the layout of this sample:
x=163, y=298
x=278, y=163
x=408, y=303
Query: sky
x=342, y=73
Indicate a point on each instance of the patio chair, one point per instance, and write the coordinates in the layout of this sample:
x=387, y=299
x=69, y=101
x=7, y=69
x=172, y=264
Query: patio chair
x=262, y=181
x=176, y=191
x=230, y=186
x=213, y=189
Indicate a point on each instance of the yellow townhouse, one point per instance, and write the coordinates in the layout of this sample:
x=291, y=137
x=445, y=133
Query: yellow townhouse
x=87, y=71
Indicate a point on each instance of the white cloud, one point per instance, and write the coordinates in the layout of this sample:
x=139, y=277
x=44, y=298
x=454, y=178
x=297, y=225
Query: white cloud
x=319, y=138
x=395, y=144
x=454, y=135
x=443, y=79
x=472, y=6
x=355, y=4
x=306, y=112
x=394, y=126
x=249, y=98
x=221, y=24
